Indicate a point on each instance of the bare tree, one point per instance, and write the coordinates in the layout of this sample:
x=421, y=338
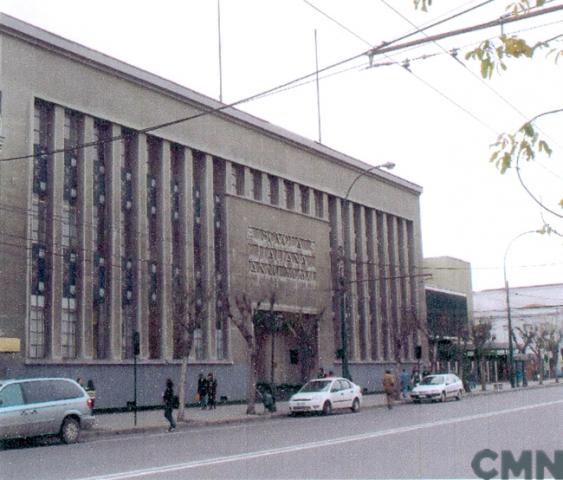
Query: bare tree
x=480, y=336
x=522, y=344
x=305, y=330
x=553, y=340
x=185, y=320
x=536, y=338
x=246, y=322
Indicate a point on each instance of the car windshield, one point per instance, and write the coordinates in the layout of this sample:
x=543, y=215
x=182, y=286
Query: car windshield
x=433, y=380
x=316, y=386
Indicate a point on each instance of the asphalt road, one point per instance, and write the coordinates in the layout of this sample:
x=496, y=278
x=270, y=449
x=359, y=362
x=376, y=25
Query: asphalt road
x=410, y=441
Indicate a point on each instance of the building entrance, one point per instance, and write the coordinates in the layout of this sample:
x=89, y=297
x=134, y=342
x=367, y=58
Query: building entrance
x=288, y=347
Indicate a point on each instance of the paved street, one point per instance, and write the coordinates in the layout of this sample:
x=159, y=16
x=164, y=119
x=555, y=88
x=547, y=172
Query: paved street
x=410, y=441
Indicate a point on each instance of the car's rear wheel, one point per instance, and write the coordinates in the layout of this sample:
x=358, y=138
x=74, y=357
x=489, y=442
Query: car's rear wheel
x=356, y=405
x=459, y=394
x=70, y=430
x=327, y=408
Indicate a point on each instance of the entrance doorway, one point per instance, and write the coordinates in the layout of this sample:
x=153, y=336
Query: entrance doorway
x=288, y=347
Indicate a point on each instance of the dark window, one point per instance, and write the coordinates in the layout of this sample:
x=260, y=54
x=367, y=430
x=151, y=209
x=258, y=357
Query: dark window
x=294, y=356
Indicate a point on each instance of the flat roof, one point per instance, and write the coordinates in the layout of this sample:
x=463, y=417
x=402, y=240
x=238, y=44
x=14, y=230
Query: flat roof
x=12, y=26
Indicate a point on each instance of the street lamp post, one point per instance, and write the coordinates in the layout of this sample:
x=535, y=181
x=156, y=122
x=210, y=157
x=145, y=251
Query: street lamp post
x=341, y=273
x=508, y=311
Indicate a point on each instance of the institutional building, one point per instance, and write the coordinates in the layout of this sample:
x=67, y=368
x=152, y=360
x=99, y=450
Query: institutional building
x=116, y=183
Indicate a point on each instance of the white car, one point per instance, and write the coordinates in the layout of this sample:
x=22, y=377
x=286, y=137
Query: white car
x=323, y=395
x=438, y=387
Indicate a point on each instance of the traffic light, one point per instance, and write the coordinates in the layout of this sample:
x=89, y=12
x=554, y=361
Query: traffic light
x=418, y=352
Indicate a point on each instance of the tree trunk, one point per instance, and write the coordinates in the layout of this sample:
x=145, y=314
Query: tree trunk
x=540, y=366
x=481, y=373
x=182, y=388
x=251, y=387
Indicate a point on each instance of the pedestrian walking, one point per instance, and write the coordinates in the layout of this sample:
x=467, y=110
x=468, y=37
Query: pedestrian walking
x=202, y=390
x=389, y=387
x=404, y=378
x=211, y=391
x=168, y=400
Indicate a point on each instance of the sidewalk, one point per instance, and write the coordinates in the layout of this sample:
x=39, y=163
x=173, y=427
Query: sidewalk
x=154, y=421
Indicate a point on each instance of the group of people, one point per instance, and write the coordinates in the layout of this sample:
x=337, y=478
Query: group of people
x=407, y=381
x=206, y=397
x=207, y=391
x=323, y=374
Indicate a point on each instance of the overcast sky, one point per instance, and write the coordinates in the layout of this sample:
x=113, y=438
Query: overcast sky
x=435, y=120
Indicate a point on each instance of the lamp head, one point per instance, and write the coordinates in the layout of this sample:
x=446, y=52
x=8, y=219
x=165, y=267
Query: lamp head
x=387, y=165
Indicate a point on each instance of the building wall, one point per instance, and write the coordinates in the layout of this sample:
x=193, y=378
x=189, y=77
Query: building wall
x=451, y=274
x=226, y=202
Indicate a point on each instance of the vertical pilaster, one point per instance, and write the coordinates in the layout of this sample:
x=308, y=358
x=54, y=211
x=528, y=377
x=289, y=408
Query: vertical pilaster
x=54, y=234
x=248, y=183
x=413, y=281
x=266, y=194
x=336, y=243
x=85, y=198
x=187, y=215
x=406, y=312
x=165, y=253
x=350, y=277
x=141, y=227
x=114, y=266
x=384, y=283
x=298, y=200
x=374, y=286
x=325, y=206
x=362, y=282
x=230, y=176
x=395, y=283
x=207, y=223
x=310, y=201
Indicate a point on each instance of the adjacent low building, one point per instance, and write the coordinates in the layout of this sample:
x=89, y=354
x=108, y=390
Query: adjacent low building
x=117, y=185
x=531, y=307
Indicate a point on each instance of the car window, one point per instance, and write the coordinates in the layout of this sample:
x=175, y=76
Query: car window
x=11, y=396
x=63, y=390
x=316, y=386
x=336, y=386
x=50, y=391
x=345, y=384
x=433, y=380
x=37, y=392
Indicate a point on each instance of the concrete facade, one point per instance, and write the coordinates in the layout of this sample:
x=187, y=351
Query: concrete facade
x=100, y=215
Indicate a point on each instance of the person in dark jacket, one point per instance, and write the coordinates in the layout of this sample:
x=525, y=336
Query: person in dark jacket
x=202, y=390
x=168, y=400
x=211, y=391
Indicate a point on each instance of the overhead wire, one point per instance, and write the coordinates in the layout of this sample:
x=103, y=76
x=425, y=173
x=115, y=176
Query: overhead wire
x=215, y=110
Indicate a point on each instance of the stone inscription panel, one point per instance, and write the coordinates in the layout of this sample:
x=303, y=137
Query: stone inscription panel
x=281, y=256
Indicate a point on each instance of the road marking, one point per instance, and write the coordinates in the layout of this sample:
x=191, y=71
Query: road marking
x=308, y=446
